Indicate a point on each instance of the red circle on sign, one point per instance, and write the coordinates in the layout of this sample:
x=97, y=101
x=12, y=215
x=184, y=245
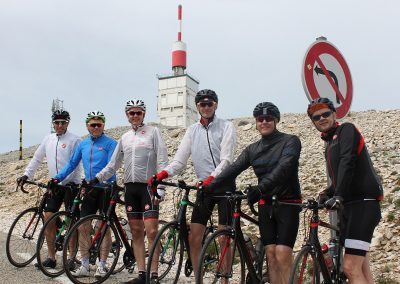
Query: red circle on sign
x=312, y=56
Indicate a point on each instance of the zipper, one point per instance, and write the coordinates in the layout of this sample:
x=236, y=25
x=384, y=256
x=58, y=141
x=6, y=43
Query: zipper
x=58, y=139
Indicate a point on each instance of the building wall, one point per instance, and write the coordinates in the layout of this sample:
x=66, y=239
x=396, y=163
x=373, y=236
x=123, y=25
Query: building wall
x=176, y=105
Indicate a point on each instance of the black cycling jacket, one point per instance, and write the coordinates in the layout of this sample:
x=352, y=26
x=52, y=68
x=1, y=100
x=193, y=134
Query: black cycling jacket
x=349, y=165
x=275, y=161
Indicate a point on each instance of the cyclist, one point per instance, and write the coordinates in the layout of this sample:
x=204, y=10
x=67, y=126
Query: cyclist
x=94, y=152
x=144, y=152
x=211, y=142
x=275, y=161
x=355, y=184
x=58, y=148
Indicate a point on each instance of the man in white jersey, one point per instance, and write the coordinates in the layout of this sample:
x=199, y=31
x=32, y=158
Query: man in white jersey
x=143, y=151
x=57, y=148
x=211, y=142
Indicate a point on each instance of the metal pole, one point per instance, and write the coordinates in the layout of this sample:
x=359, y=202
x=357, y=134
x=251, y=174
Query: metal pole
x=20, y=139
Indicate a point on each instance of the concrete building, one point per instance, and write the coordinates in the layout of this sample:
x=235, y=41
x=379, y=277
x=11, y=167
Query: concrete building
x=176, y=91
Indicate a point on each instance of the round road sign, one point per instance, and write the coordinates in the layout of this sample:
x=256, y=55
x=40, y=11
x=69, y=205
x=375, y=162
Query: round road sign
x=326, y=74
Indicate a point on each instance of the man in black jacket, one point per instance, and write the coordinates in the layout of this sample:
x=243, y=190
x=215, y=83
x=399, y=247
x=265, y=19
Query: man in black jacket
x=275, y=161
x=354, y=184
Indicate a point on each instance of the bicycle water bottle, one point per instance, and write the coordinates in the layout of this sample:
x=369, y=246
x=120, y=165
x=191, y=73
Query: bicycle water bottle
x=249, y=246
x=327, y=257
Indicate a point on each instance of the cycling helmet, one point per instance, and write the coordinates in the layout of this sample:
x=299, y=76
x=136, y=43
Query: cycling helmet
x=135, y=103
x=95, y=115
x=320, y=103
x=267, y=108
x=205, y=94
x=60, y=114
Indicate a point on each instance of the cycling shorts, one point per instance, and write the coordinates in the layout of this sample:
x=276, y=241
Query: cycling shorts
x=278, y=224
x=204, y=207
x=97, y=200
x=53, y=203
x=139, y=203
x=358, y=223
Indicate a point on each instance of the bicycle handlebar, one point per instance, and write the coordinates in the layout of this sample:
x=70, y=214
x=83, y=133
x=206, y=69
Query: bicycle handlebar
x=180, y=184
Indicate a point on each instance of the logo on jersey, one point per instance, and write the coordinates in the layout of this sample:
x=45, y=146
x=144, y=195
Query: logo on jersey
x=147, y=207
x=143, y=132
x=334, y=137
x=63, y=146
x=101, y=148
x=129, y=208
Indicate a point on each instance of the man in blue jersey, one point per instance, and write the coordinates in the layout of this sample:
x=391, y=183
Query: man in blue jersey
x=57, y=148
x=94, y=152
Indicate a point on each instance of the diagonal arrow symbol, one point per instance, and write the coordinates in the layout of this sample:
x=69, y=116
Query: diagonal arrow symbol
x=333, y=76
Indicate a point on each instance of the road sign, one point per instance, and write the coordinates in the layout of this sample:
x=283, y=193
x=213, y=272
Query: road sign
x=326, y=74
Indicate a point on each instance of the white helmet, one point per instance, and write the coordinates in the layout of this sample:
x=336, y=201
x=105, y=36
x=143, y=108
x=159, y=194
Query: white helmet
x=96, y=115
x=135, y=103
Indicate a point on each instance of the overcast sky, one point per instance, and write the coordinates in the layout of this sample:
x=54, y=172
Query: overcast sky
x=95, y=55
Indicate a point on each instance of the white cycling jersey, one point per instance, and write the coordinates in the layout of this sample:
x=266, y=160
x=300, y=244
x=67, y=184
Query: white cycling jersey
x=143, y=152
x=58, y=149
x=222, y=138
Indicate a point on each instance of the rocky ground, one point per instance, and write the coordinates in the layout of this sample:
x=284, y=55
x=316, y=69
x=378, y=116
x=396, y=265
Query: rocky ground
x=380, y=129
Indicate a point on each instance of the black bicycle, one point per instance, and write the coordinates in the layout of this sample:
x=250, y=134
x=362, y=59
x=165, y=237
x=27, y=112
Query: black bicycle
x=228, y=261
x=24, y=232
x=172, y=241
x=310, y=265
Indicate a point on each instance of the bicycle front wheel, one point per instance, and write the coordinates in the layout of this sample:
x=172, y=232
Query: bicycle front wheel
x=98, y=242
x=167, y=250
x=51, y=243
x=305, y=268
x=22, y=237
x=221, y=259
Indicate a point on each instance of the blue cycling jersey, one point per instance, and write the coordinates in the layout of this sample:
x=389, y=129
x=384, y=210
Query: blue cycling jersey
x=94, y=153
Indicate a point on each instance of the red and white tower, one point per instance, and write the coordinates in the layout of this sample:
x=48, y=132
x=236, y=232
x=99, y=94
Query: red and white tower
x=176, y=91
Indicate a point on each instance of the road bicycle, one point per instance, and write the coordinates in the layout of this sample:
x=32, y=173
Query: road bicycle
x=227, y=262
x=24, y=232
x=172, y=241
x=310, y=265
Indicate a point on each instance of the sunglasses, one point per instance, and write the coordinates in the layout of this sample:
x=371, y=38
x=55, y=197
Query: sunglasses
x=62, y=122
x=324, y=115
x=133, y=113
x=94, y=125
x=267, y=118
x=204, y=104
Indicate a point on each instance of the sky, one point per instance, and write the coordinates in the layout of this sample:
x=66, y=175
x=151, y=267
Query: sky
x=97, y=54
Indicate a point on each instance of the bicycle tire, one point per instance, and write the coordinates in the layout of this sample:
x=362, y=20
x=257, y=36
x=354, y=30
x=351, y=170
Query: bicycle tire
x=213, y=251
x=64, y=223
x=169, y=241
x=261, y=265
x=305, y=267
x=21, y=248
x=98, y=224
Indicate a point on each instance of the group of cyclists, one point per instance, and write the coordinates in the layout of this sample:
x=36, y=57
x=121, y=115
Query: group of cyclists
x=211, y=144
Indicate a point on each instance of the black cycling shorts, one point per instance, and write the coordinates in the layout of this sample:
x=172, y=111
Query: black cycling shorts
x=53, y=203
x=204, y=207
x=358, y=223
x=97, y=200
x=278, y=224
x=139, y=203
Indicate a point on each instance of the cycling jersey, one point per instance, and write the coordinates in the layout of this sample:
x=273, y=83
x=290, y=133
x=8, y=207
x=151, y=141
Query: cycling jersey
x=219, y=135
x=349, y=165
x=95, y=153
x=275, y=160
x=143, y=152
x=58, y=149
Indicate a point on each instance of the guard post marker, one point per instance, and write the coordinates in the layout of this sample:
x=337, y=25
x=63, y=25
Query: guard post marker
x=20, y=139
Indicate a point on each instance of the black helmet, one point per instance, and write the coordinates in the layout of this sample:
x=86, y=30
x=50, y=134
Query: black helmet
x=267, y=108
x=205, y=94
x=61, y=114
x=318, y=104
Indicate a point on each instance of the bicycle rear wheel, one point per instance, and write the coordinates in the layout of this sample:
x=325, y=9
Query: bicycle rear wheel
x=22, y=237
x=221, y=258
x=92, y=247
x=169, y=248
x=305, y=268
x=58, y=226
